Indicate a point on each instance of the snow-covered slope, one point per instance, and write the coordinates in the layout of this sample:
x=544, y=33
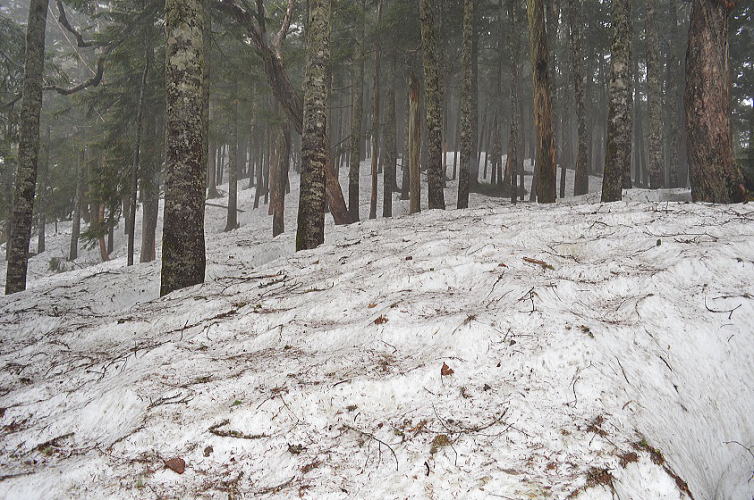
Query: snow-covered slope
x=581, y=350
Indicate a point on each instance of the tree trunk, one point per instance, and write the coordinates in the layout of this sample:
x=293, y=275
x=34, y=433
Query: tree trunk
x=279, y=178
x=618, y=159
x=136, y=165
x=73, y=252
x=714, y=175
x=28, y=149
x=150, y=192
x=44, y=172
x=581, y=183
x=311, y=213
x=433, y=104
x=183, y=246
x=654, y=99
x=390, y=153
x=376, y=118
x=414, y=144
x=232, y=216
x=357, y=112
x=514, y=163
x=546, y=158
x=466, y=105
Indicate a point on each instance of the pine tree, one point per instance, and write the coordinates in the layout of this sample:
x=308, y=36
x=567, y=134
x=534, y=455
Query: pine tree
x=466, y=105
x=433, y=104
x=576, y=39
x=654, y=99
x=546, y=162
x=714, y=175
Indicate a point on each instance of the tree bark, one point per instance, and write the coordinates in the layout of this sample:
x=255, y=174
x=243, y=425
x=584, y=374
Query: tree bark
x=44, y=173
x=390, y=153
x=28, y=149
x=466, y=105
x=357, y=112
x=514, y=164
x=414, y=144
x=581, y=183
x=136, y=164
x=232, y=216
x=376, y=118
x=311, y=213
x=546, y=162
x=618, y=159
x=279, y=179
x=714, y=175
x=654, y=99
x=73, y=252
x=150, y=187
x=183, y=245
x=433, y=105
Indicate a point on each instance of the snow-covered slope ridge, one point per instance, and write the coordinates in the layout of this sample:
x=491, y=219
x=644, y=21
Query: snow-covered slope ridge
x=578, y=351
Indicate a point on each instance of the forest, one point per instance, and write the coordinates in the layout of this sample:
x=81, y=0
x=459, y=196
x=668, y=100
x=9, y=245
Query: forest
x=377, y=249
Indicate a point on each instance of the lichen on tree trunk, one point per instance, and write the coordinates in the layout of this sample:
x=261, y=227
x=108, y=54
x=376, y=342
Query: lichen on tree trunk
x=314, y=150
x=618, y=159
x=433, y=105
x=28, y=149
x=183, y=244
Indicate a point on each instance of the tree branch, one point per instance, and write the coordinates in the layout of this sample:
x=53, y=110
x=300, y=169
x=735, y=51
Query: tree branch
x=63, y=20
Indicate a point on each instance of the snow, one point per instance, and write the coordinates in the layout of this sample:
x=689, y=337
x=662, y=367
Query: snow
x=319, y=373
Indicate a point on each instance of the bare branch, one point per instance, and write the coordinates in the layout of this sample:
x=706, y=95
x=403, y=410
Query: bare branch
x=63, y=20
x=280, y=37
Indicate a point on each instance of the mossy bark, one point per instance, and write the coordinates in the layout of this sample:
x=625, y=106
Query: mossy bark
x=183, y=244
x=433, y=105
x=619, y=125
x=314, y=151
x=28, y=149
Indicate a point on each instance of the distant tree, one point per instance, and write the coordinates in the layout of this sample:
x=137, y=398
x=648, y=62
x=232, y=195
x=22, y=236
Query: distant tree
x=414, y=143
x=576, y=39
x=357, y=111
x=183, y=245
x=654, y=98
x=713, y=172
x=28, y=149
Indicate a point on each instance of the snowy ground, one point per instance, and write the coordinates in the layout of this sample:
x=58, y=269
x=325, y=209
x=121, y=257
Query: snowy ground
x=618, y=367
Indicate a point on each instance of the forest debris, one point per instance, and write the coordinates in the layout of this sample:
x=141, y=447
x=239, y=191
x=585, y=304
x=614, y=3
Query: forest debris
x=446, y=371
x=440, y=441
x=538, y=262
x=381, y=320
x=177, y=465
x=215, y=429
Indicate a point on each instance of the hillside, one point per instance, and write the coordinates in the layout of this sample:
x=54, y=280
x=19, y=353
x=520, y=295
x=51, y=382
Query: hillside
x=578, y=351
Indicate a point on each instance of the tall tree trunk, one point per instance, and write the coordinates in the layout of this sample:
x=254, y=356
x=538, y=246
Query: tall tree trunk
x=279, y=178
x=311, y=212
x=150, y=192
x=714, y=175
x=28, y=149
x=183, y=246
x=357, y=112
x=390, y=153
x=9, y=167
x=581, y=183
x=73, y=252
x=232, y=217
x=546, y=157
x=513, y=160
x=466, y=105
x=44, y=172
x=654, y=99
x=433, y=104
x=618, y=160
x=414, y=144
x=474, y=130
x=376, y=118
x=136, y=165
